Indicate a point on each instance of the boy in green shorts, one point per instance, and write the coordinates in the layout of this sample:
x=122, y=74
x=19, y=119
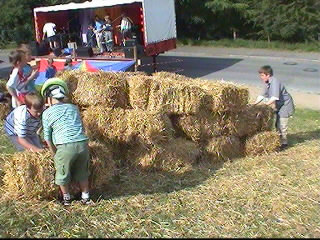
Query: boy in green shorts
x=64, y=134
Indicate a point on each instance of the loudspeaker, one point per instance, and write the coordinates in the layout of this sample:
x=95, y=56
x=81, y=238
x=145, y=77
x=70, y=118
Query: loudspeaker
x=43, y=49
x=84, y=52
x=128, y=52
x=34, y=46
x=57, y=52
x=130, y=43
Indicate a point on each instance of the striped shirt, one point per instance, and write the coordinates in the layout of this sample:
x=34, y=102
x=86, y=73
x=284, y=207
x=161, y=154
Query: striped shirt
x=21, y=123
x=62, y=124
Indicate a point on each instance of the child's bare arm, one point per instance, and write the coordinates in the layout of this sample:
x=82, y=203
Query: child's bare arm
x=51, y=147
x=14, y=95
x=28, y=145
x=33, y=75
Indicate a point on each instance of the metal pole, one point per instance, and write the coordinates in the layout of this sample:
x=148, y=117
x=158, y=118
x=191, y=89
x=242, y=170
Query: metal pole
x=135, y=55
x=154, y=63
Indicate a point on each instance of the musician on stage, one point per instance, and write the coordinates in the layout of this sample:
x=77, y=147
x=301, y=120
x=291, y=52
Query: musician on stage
x=49, y=32
x=91, y=37
x=99, y=34
x=125, y=27
x=107, y=32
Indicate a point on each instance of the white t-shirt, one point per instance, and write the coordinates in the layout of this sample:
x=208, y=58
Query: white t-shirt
x=50, y=29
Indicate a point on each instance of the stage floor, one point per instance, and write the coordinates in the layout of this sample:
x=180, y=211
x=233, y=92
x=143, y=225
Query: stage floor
x=117, y=55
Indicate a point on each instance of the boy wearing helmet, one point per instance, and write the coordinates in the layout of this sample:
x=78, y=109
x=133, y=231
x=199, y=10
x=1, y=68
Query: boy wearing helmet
x=64, y=133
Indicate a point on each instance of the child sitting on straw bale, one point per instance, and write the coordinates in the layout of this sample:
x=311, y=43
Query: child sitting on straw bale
x=276, y=95
x=17, y=84
x=64, y=134
x=22, y=123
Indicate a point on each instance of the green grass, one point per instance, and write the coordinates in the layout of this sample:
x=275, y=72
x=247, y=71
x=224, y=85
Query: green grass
x=241, y=43
x=267, y=196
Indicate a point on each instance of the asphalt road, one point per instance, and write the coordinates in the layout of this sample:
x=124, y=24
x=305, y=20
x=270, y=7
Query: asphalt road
x=298, y=71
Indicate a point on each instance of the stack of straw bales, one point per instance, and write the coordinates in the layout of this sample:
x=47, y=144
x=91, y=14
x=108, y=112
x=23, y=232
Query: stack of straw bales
x=162, y=122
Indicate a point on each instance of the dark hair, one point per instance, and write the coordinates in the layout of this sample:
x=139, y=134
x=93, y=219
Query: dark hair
x=50, y=59
x=34, y=100
x=266, y=69
x=16, y=56
x=68, y=60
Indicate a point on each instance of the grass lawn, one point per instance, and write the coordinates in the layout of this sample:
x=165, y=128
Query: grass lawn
x=269, y=196
x=243, y=43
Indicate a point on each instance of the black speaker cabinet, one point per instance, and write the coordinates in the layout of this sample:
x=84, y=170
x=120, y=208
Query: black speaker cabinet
x=34, y=46
x=57, y=52
x=128, y=52
x=84, y=52
x=130, y=43
x=39, y=49
x=43, y=48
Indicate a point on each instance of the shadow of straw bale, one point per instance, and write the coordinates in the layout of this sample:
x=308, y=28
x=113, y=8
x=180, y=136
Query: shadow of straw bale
x=301, y=137
x=134, y=182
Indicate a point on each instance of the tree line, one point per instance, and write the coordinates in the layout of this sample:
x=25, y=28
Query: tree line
x=283, y=20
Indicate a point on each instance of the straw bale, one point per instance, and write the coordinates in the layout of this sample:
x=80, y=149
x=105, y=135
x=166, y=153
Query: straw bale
x=178, y=155
x=107, y=89
x=133, y=74
x=170, y=75
x=176, y=97
x=30, y=174
x=4, y=110
x=225, y=96
x=217, y=96
x=124, y=125
x=139, y=90
x=200, y=127
x=252, y=119
x=262, y=143
x=71, y=78
x=3, y=87
x=223, y=148
x=102, y=164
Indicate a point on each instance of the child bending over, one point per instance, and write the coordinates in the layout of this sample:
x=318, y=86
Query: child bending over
x=22, y=124
x=64, y=134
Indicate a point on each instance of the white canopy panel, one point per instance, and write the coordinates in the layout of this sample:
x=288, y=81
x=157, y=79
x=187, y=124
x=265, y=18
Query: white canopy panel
x=87, y=4
x=159, y=20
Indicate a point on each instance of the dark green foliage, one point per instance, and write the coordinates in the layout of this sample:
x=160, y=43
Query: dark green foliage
x=283, y=20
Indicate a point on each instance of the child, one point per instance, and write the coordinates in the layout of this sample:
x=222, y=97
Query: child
x=27, y=69
x=276, y=95
x=64, y=134
x=68, y=64
x=22, y=124
x=17, y=83
x=51, y=69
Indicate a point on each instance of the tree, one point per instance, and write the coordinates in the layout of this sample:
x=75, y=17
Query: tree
x=230, y=13
x=17, y=18
x=294, y=20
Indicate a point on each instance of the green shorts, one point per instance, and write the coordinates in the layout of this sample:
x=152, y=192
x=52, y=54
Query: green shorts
x=71, y=162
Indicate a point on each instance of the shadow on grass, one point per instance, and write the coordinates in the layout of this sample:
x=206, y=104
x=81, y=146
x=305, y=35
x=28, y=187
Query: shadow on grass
x=135, y=182
x=301, y=137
